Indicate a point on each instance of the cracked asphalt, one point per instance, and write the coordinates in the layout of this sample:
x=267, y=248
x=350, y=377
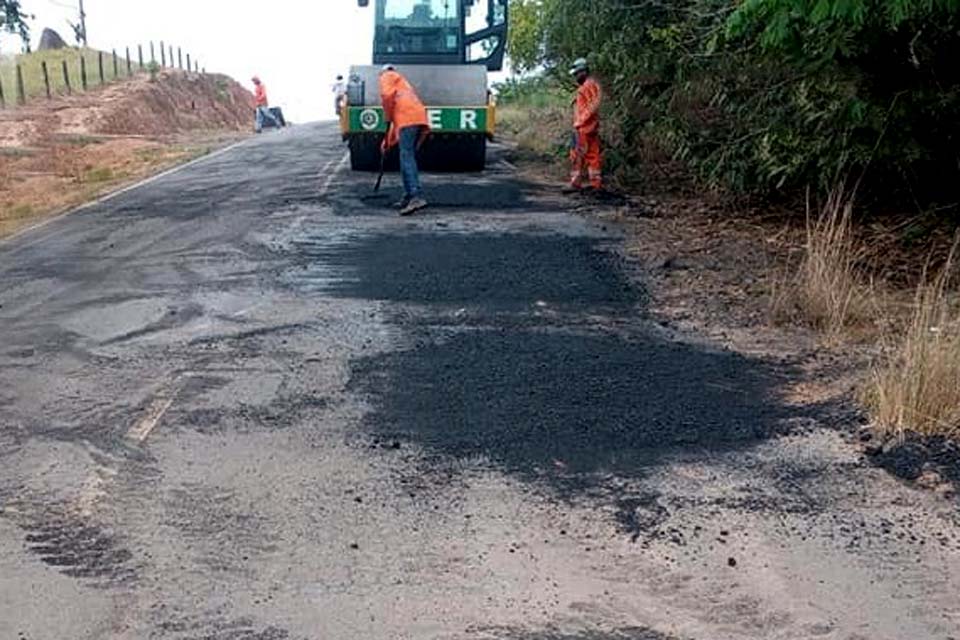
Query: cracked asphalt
x=245, y=401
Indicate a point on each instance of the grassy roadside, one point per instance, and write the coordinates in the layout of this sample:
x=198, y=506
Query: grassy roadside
x=39, y=183
x=32, y=71
x=894, y=323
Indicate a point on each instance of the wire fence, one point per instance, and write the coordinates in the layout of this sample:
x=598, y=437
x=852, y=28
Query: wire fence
x=44, y=75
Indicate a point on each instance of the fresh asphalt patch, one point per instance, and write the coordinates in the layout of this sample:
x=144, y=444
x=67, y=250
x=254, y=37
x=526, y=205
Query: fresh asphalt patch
x=562, y=406
x=495, y=271
x=541, y=398
x=495, y=191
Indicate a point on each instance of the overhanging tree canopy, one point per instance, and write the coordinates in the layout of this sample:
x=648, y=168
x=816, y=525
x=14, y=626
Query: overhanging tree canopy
x=13, y=19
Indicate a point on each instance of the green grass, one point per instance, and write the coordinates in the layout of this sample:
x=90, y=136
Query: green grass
x=32, y=70
x=536, y=115
x=97, y=175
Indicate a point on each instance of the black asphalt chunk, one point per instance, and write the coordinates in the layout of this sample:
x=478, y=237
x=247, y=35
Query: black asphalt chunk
x=491, y=270
x=558, y=404
x=907, y=458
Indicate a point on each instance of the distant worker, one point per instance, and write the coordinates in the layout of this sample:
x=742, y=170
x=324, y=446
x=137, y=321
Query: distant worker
x=585, y=154
x=262, y=106
x=339, y=92
x=408, y=127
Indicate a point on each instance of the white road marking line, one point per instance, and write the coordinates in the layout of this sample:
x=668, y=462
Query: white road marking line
x=140, y=431
x=333, y=174
x=111, y=196
x=94, y=489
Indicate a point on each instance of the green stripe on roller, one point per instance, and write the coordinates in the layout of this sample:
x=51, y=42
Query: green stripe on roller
x=442, y=119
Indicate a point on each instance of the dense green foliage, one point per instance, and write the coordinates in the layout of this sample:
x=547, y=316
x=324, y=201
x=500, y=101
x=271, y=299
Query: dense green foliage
x=770, y=95
x=13, y=19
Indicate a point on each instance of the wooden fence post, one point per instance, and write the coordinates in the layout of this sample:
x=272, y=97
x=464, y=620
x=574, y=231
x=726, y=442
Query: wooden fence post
x=189, y=68
x=66, y=77
x=21, y=90
x=153, y=56
x=129, y=64
x=3, y=98
x=140, y=55
x=46, y=77
x=100, y=65
x=171, y=56
x=163, y=54
x=83, y=71
x=180, y=58
x=116, y=67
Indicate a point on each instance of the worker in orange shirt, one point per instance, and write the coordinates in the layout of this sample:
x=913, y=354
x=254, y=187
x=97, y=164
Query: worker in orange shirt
x=585, y=154
x=262, y=106
x=408, y=127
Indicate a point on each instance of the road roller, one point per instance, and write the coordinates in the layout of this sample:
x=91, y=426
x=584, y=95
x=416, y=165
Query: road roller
x=445, y=48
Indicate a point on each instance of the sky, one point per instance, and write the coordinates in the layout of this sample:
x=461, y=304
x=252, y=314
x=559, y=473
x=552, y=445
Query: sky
x=296, y=46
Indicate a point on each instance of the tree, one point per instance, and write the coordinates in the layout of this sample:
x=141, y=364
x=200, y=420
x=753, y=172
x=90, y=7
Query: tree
x=526, y=34
x=13, y=19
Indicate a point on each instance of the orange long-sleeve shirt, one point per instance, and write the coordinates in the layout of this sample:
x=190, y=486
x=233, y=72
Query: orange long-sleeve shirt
x=401, y=105
x=586, y=114
x=260, y=96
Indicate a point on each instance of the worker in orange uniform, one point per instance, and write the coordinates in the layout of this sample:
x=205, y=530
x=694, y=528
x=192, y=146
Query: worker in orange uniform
x=408, y=127
x=585, y=153
x=262, y=106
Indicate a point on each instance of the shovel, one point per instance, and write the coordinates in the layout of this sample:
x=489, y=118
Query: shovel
x=383, y=161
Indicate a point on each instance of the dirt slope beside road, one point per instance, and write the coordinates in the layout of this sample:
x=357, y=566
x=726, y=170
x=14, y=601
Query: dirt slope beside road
x=56, y=154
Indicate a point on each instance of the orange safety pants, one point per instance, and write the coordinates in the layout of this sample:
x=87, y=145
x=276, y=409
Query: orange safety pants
x=586, y=156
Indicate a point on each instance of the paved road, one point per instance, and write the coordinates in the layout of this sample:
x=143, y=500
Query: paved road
x=247, y=402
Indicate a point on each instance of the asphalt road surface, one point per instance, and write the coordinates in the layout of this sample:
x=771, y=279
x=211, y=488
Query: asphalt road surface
x=246, y=401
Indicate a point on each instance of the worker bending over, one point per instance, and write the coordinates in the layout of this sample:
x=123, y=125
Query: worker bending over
x=585, y=153
x=408, y=127
x=262, y=106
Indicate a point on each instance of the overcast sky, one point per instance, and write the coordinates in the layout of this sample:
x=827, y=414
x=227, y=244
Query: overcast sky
x=296, y=46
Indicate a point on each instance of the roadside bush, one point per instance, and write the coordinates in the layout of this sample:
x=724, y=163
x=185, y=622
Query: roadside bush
x=536, y=112
x=771, y=96
x=827, y=290
x=917, y=388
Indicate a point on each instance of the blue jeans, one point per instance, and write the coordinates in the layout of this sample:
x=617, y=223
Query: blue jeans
x=408, y=161
x=263, y=113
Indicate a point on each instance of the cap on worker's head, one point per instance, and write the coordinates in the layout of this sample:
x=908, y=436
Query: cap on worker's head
x=256, y=79
x=339, y=77
x=580, y=64
x=387, y=67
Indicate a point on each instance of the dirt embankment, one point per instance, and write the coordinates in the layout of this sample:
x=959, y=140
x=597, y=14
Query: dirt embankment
x=56, y=154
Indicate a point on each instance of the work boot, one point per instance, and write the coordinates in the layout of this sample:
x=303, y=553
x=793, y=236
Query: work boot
x=571, y=189
x=401, y=203
x=413, y=206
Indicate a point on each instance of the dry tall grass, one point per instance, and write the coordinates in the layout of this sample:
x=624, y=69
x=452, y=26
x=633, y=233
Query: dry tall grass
x=917, y=388
x=827, y=291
